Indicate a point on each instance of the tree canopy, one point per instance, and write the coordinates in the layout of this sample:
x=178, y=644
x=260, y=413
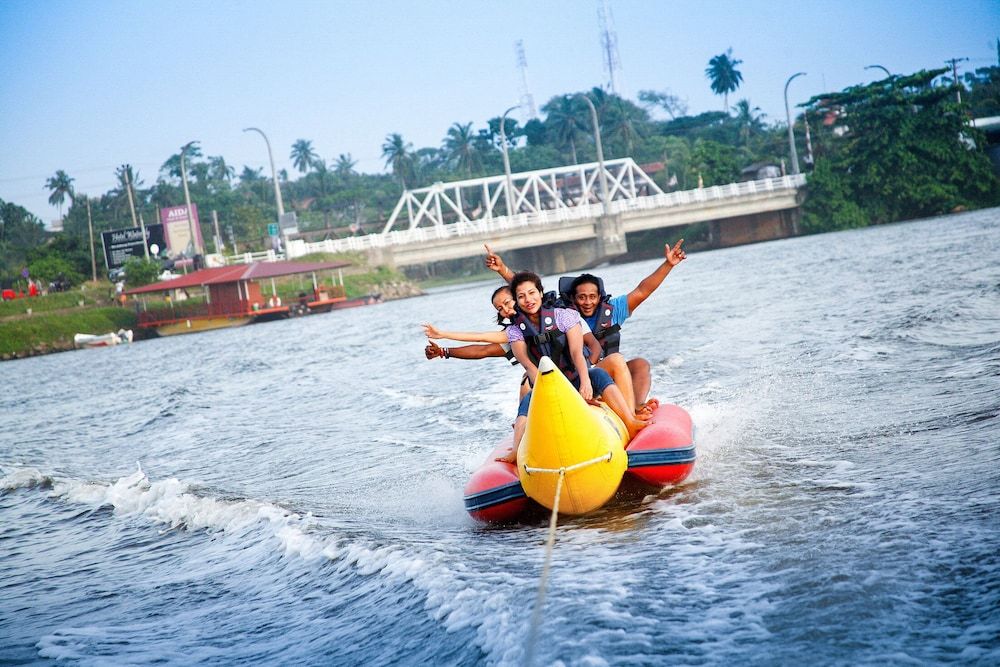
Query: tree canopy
x=895, y=149
x=889, y=150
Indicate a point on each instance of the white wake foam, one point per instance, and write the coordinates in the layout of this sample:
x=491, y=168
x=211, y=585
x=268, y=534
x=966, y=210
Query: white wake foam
x=455, y=596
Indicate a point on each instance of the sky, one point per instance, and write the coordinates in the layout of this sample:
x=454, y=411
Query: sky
x=86, y=86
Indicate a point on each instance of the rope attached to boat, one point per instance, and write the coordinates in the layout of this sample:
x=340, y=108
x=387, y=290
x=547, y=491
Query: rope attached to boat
x=536, y=614
x=562, y=471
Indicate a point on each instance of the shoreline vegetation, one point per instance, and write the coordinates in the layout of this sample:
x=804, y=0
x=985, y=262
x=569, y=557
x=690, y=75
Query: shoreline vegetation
x=895, y=149
x=44, y=324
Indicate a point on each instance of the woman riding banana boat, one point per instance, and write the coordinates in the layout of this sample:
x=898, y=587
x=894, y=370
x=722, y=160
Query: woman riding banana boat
x=544, y=338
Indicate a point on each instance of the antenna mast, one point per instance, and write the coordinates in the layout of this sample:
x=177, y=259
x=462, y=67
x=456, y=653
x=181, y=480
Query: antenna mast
x=609, y=44
x=527, y=101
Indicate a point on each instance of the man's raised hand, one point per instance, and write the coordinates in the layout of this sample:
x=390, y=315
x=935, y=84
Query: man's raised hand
x=674, y=255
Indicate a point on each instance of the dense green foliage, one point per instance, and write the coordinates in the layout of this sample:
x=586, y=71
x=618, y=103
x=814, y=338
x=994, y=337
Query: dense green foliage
x=893, y=150
x=140, y=271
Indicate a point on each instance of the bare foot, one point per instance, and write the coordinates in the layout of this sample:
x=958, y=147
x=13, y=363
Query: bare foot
x=644, y=412
x=634, y=426
x=510, y=458
x=652, y=404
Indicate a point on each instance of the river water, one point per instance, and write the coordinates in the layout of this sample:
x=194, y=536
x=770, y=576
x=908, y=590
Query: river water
x=299, y=499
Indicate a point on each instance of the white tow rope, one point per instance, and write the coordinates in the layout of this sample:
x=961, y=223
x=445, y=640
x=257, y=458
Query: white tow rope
x=536, y=614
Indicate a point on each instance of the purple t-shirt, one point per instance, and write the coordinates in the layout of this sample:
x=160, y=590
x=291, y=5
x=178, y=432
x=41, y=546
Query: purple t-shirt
x=566, y=319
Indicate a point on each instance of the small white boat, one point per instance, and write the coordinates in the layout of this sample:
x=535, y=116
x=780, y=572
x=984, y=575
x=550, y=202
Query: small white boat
x=82, y=340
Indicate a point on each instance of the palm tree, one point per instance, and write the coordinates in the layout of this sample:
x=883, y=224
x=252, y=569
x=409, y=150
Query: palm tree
x=459, y=145
x=172, y=167
x=219, y=170
x=563, y=118
x=749, y=120
x=665, y=100
x=345, y=165
x=303, y=156
x=117, y=198
x=60, y=185
x=249, y=178
x=624, y=122
x=398, y=154
x=725, y=78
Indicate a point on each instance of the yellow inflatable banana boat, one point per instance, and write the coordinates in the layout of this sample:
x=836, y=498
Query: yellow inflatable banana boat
x=583, y=444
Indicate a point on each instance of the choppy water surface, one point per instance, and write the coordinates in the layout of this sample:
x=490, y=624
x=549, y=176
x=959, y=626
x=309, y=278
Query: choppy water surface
x=299, y=497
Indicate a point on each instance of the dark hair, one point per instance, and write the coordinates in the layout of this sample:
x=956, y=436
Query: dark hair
x=498, y=290
x=525, y=277
x=501, y=320
x=583, y=280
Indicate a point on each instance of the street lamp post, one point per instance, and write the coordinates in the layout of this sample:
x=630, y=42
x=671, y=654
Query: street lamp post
x=90, y=227
x=506, y=159
x=791, y=136
x=274, y=177
x=600, y=151
x=187, y=199
x=887, y=72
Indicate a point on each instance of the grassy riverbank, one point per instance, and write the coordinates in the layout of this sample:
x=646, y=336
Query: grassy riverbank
x=44, y=324
x=53, y=331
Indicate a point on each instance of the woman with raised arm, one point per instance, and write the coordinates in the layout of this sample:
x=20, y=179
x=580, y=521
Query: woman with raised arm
x=536, y=331
x=494, y=344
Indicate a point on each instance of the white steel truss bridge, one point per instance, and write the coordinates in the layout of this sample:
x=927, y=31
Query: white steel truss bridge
x=530, y=192
x=549, y=206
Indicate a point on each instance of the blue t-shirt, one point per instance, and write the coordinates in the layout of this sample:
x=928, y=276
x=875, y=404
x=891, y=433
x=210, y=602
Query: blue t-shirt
x=619, y=311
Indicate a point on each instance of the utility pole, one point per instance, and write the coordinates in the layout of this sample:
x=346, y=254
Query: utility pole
x=809, y=144
x=126, y=168
x=187, y=201
x=218, y=237
x=93, y=257
x=954, y=71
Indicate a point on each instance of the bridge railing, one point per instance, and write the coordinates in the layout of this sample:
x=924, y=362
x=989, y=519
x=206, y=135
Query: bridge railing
x=552, y=217
x=250, y=257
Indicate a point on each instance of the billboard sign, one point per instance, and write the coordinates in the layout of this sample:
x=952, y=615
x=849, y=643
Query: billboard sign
x=122, y=244
x=177, y=231
x=289, y=223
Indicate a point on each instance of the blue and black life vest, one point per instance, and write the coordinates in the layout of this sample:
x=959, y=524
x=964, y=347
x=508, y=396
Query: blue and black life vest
x=606, y=333
x=549, y=342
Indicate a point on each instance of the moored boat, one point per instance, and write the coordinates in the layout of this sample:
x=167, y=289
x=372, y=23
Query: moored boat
x=575, y=456
x=83, y=340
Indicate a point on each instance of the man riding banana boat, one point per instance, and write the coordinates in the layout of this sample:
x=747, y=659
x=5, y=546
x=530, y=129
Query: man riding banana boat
x=547, y=338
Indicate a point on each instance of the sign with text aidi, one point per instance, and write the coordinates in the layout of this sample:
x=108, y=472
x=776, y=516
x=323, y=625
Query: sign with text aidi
x=178, y=232
x=122, y=244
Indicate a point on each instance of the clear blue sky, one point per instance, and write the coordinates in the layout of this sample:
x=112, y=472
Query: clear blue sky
x=88, y=85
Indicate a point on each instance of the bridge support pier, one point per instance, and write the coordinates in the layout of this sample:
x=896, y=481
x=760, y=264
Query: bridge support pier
x=608, y=243
x=381, y=256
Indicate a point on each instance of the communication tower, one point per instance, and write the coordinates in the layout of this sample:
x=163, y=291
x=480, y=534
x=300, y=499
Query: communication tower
x=609, y=44
x=527, y=100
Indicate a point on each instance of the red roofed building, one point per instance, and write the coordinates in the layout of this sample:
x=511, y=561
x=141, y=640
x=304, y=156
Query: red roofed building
x=233, y=296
